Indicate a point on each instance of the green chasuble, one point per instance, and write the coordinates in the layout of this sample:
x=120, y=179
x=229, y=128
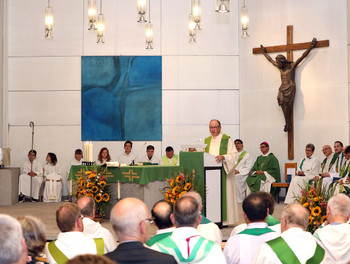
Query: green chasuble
x=157, y=238
x=269, y=164
x=222, y=151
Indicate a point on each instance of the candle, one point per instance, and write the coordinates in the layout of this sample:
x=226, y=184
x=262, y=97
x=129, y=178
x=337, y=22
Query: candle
x=88, y=151
x=118, y=190
x=70, y=187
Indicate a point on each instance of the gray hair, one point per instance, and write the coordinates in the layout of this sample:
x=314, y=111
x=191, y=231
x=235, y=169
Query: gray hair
x=127, y=214
x=296, y=215
x=186, y=212
x=10, y=240
x=339, y=205
x=86, y=205
x=311, y=146
x=195, y=195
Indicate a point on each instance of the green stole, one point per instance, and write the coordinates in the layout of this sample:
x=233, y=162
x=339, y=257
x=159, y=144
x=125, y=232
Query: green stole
x=174, y=162
x=222, y=151
x=60, y=258
x=241, y=156
x=335, y=156
x=286, y=255
x=344, y=171
x=203, y=246
x=256, y=231
x=271, y=221
x=157, y=238
x=337, y=169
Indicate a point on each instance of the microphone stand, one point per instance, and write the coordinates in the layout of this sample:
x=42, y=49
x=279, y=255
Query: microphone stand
x=137, y=153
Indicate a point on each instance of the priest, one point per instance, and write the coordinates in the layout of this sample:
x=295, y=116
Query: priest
x=221, y=146
x=265, y=171
x=307, y=169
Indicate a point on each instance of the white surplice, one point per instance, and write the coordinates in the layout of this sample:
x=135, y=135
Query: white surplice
x=126, y=158
x=244, y=167
x=154, y=159
x=24, y=179
x=53, y=183
x=330, y=170
x=229, y=165
x=310, y=167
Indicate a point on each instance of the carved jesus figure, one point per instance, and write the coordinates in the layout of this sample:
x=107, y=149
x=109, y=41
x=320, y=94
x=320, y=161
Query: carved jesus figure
x=286, y=92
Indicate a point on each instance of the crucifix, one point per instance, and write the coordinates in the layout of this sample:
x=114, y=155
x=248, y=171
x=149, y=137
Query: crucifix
x=287, y=67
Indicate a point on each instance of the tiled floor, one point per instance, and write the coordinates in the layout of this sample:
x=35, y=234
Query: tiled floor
x=47, y=213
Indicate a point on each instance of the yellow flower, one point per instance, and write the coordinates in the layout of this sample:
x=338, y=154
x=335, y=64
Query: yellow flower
x=311, y=193
x=98, y=198
x=323, y=218
x=94, y=189
x=88, y=172
x=182, y=193
x=92, y=175
x=316, y=199
x=172, y=183
x=316, y=211
x=105, y=197
x=179, y=178
x=306, y=204
x=102, y=184
x=310, y=220
x=82, y=183
x=187, y=186
x=90, y=194
x=88, y=185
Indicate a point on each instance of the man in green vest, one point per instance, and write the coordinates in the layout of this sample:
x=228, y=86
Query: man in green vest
x=295, y=245
x=170, y=158
x=265, y=171
x=222, y=147
x=71, y=241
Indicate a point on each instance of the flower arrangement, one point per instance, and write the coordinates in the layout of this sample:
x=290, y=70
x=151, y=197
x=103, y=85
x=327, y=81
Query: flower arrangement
x=93, y=184
x=178, y=185
x=314, y=197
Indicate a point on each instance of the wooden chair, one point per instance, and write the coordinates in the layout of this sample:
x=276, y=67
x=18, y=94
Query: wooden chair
x=284, y=184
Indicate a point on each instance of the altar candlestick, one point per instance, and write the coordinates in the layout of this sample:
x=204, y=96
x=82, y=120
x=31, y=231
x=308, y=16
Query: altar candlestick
x=118, y=190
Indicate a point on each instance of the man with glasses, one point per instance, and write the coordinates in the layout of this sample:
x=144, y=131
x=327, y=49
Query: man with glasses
x=221, y=146
x=265, y=171
x=130, y=219
x=308, y=167
x=71, y=241
x=327, y=170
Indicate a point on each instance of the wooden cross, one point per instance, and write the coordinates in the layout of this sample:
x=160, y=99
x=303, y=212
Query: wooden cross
x=289, y=49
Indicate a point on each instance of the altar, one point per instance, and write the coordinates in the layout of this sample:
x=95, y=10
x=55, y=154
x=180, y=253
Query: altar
x=142, y=182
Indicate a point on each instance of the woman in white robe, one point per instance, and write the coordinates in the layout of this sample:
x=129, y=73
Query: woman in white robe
x=103, y=156
x=53, y=179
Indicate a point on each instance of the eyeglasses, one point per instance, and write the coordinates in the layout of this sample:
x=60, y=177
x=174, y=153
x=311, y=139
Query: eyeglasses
x=214, y=127
x=325, y=149
x=149, y=219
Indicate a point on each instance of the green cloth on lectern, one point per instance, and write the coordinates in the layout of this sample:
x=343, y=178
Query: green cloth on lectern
x=222, y=151
x=269, y=164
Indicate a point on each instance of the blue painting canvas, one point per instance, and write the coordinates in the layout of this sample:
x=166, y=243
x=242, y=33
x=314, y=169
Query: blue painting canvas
x=121, y=98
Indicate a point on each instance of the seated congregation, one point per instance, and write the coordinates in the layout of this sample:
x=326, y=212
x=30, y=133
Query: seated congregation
x=184, y=235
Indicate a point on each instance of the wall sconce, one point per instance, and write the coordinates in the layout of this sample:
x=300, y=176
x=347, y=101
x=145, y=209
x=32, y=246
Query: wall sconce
x=92, y=14
x=141, y=9
x=149, y=30
x=191, y=29
x=196, y=12
x=222, y=6
x=48, y=21
x=101, y=26
x=244, y=20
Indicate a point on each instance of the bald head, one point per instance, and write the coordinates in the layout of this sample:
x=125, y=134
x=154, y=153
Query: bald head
x=87, y=206
x=294, y=215
x=161, y=212
x=130, y=220
x=327, y=150
x=186, y=212
x=67, y=218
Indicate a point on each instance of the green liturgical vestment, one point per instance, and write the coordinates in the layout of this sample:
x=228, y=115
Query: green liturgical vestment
x=269, y=164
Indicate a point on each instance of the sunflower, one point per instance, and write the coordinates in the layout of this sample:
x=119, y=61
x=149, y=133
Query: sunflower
x=306, y=204
x=90, y=194
x=172, y=183
x=316, y=211
x=310, y=220
x=105, y=197
x=94, y=189
x=323, y=218
x=88, y=172
x=182, y=193
x=102, y=184
x=92, y=175
x=316, y=199
x=82, y=183
x=311, y=193
x=89, y=185
x=187, y=186
x=179, y=178
x=98, y=198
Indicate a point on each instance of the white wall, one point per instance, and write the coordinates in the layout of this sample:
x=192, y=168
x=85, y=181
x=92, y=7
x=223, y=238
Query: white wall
x=200, y=81
x=321, y=113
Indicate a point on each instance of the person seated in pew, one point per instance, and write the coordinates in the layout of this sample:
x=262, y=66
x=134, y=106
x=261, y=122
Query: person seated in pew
x=170, y=158
x=327, y=171
x=127, y=156
x=265, y=171
x=149, y=156
x=307, y=169
x=31, y=169
x=53, y=179
x=103, y=156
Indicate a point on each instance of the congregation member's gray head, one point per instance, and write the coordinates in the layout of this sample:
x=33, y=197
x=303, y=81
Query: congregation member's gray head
x=186, y=212
x=12, y=244
x=294, y=215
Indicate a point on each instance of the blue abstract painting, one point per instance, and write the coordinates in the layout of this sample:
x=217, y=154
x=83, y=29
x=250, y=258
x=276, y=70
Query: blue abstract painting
x=121, y=98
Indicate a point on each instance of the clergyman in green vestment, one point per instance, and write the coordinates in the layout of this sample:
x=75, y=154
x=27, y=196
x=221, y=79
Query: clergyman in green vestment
x=222, y=146
x=266, y=170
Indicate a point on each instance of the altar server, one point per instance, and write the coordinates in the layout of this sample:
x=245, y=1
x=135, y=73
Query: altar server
x=149, y=156
x=170, y=158
x=31, y=169
x=53, y=179
x=103, y=156
x=127, y=156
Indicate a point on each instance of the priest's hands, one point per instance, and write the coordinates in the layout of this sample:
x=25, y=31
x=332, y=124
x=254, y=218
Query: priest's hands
x=219, y=158
x=31, y=173
x=236, y=172
x=301, y=173
x=259, y=172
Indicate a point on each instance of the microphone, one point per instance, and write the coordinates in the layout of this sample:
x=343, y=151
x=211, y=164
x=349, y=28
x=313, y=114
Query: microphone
x=137, y=153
